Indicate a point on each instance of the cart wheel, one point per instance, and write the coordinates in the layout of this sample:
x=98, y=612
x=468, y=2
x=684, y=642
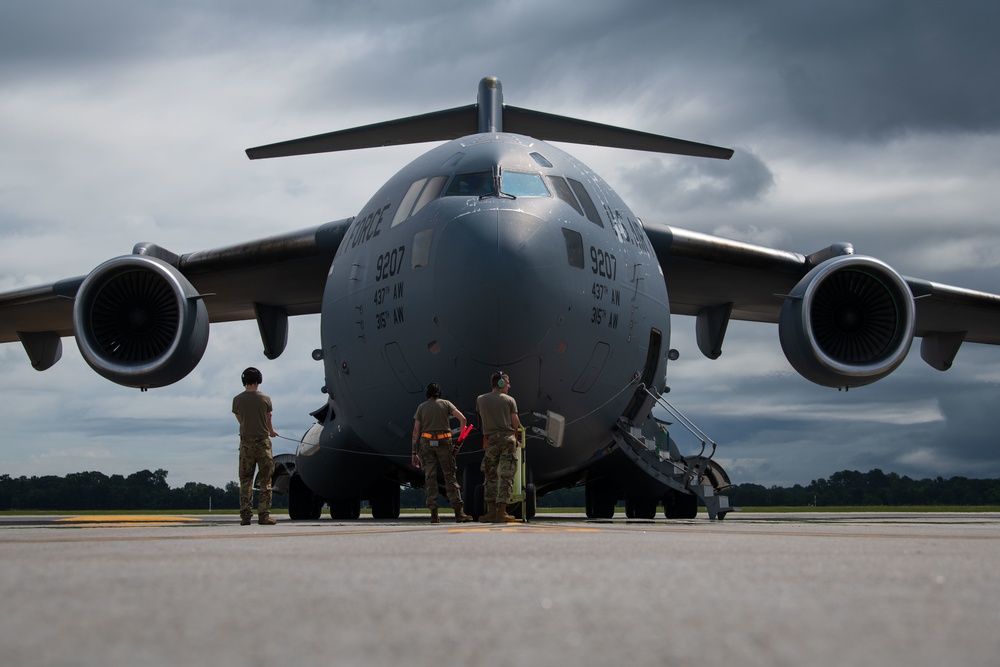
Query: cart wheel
x=530, y=503
x=478, y=504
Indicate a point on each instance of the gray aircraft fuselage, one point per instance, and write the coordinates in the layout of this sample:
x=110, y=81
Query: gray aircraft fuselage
x=442, y=279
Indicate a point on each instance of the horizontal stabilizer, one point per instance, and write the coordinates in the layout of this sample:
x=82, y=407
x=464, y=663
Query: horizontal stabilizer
x=437, y=126
x=550, y=127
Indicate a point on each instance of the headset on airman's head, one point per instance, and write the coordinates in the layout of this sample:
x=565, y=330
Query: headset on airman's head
x=498, y=380
x=252, y=376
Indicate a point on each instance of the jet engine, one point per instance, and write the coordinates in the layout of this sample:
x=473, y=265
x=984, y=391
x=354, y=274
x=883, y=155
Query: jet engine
x=849, y=322
x=139, y=322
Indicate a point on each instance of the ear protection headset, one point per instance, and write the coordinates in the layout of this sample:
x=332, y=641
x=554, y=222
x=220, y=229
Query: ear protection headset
x=501, y=383
x=252, y=376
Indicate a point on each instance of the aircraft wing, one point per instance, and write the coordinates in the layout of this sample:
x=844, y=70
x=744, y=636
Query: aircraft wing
x=283, y=274
x=707, y=276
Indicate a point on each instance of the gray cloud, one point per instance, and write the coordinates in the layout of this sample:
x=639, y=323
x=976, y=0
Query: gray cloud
x=777, y=428
x=683, y=184
x=877, y=70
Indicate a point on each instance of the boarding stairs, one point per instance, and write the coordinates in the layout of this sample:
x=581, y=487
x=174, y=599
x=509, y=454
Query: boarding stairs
x=649, y=445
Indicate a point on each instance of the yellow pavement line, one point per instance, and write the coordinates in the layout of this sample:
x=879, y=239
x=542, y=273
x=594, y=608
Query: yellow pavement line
x=201, y=536
x=126, y=519
x=521, y=528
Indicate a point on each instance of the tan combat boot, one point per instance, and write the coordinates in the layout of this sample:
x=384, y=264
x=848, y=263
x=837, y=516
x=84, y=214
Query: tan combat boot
x=502, y=516
x=434, y=515
x=460, y=515
x=491, y=510
x=266, y=520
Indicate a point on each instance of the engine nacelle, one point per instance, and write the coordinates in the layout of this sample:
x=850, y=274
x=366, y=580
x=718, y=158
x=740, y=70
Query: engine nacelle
x=139, y=322
x=848, y=322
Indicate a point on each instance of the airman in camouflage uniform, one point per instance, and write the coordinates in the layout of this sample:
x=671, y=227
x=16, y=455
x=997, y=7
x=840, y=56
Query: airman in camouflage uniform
x=498, y=416
x=253, y=411
x=431, y=429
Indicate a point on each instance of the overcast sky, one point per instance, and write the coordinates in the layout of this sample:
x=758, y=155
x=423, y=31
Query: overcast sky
x=876, y=123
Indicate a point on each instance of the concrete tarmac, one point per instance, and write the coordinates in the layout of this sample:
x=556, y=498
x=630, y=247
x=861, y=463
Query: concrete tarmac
x=768, y=590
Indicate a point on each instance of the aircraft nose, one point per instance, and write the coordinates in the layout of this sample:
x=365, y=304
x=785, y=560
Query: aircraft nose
x=497, y=274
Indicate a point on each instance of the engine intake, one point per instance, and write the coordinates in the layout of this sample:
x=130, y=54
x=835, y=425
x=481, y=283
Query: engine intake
x=849, y=322
x=139, y=322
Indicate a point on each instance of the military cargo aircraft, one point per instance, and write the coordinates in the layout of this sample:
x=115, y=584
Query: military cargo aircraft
x=498, y=251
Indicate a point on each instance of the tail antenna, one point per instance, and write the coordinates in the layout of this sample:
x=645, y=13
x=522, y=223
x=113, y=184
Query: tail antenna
x=490, y=103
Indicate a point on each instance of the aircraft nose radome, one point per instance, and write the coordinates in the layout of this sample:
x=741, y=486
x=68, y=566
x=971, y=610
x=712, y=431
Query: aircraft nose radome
x=498, y=278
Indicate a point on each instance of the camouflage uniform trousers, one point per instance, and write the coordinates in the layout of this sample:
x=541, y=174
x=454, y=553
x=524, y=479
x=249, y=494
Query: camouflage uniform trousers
x=442, y=454
x=499, y=466
x=255, y=453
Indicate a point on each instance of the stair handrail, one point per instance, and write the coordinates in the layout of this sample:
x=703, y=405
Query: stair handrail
x=684, y=421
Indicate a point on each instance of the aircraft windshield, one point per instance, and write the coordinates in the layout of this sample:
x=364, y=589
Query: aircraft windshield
x=471, y=185
x=480, y=183
x=520, y=184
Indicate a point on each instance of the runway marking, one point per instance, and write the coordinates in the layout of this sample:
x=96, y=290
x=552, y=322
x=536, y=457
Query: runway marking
x=523, y=527
x=498, y=528
x=125, y=520
x=789, y=533
x=234, y=536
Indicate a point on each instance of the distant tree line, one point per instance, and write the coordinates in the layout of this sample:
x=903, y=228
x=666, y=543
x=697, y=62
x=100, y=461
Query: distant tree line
x=145, y=490
x=853, y=488
x=845, y=488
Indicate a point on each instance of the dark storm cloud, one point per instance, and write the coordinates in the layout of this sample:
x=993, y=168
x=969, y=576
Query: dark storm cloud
x=879, y=69
x=526, y=44
x=774, y=427
x=33, y=35
x=848, y=69
x=681, y=185
x=970, y=433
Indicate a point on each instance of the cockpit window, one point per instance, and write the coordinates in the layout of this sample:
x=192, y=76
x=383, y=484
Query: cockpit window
x=474, y=184
x=587, y=202
x=430, y=192
x=421, y=191
x=563, y=191
x=403, y=212
x=520, y=184
x=480, y=183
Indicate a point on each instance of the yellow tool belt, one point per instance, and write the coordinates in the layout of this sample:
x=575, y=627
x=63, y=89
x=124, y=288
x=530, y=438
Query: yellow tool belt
x=435, y=436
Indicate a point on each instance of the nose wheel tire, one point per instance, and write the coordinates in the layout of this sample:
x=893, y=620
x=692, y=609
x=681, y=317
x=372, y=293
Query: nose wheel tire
x=677, y=505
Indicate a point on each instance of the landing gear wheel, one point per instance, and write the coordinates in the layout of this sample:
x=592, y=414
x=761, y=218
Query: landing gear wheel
x=600, y=500
x=640, y=508
x=385, y=502
x=677, y=505
x=345, y=509
x=303, y=504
